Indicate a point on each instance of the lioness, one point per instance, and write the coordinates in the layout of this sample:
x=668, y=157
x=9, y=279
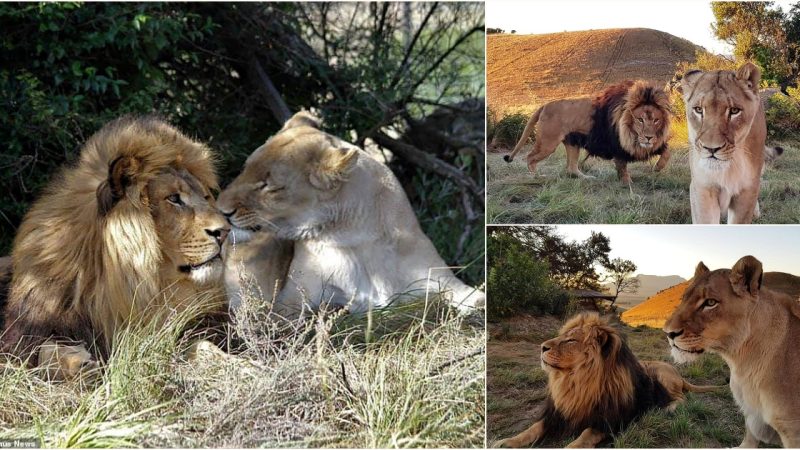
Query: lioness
x=356, y=239
x=727, y=133
x=757, y=332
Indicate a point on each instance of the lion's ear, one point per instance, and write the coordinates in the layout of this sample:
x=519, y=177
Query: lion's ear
x=750, y=75
x=121, y=174
x=700, y=269
x=302, y=119
x=746, y=276
x=609, y=341
x=334, y=168
x=688, y=80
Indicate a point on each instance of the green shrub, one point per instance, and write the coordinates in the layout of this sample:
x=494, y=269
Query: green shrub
x=517, y=282
x=507, y=131
x=783, y=115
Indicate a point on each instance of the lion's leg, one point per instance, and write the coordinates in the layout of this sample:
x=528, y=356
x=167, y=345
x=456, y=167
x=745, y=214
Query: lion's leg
x=622, y=171
x=750, y=440
x=573, y=155
x=65, y=362
x=705, y=205
x=544, y=146
x=663, y=160
x=588, y=439
x=743, y=207
x=524, y=439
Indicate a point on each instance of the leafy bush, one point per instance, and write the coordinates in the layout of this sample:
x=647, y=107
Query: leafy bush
x=517, y=282
x=507, y=131
x=783, y=115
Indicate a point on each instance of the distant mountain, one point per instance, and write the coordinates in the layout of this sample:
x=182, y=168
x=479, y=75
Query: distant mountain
x=655, y=310
x=649, y=286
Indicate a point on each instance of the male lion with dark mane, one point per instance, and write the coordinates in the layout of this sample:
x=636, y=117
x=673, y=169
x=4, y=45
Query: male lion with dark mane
x=625, y=122
x=756, y=330
x=596, y=386
x=130, y=232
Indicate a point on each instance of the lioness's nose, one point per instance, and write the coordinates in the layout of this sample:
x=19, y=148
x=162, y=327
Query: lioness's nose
x=219, y=233
x=545, y=347
x=713, y=150
x=674, y=334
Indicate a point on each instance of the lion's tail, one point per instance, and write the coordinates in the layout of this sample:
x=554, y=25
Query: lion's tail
x=772, y=153
x=525, y=135
x=689, y=387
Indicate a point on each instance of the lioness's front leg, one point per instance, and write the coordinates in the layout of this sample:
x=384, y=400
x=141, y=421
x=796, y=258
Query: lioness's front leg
x=588, y=439
x=743, y=207
x=524, y=439
x=750, y=440
x=65, y=362
x=704, y=203
x=662, y=160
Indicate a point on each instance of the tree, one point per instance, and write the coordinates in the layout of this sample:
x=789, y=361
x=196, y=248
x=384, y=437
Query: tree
x=620, y=273
x=757, y=32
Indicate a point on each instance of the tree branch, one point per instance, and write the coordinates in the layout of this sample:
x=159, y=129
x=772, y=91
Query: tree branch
x=273, y=98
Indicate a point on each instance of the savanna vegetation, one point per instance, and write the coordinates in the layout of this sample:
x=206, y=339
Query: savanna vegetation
x=758, y=32
x=403, y=80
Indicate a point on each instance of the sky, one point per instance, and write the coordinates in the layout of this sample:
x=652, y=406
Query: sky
x=689, y=19
x=676, y=249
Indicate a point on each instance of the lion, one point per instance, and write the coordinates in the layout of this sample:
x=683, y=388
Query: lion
x=130, y=232
x=356, y=241
x=596, y=386
x=627, y=122
x=727, y=135
x=756, y=331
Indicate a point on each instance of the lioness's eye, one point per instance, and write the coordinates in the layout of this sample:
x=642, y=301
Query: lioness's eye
x=655, y=121
x=698, y=110
x=734, y=111
x=710, y=303
x=175, y=199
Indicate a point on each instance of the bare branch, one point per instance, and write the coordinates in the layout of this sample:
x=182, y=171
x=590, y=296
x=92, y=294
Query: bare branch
x=273, y=98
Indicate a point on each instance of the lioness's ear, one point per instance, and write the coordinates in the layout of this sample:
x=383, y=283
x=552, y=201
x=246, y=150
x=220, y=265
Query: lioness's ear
x=688, y=80
x=746, y=276
x=700, y=269
x=334, y=168
x=302, y=119
x=750, y=75
x=121, y=173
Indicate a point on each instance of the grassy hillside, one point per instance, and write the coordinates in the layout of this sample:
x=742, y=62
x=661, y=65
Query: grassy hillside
x=523, y=71
x=516, y=389
x=655, y=310
x=649, y=285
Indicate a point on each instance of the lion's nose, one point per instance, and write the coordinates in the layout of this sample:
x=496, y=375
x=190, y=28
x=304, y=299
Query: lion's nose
x=219, y=234
x=545, y=348
x=649, y=138
x=674, y=334
x=713, y=150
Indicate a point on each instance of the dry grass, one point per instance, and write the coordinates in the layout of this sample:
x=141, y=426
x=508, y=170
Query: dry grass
x=516, y=390
x=409, y=376
x=523, y=71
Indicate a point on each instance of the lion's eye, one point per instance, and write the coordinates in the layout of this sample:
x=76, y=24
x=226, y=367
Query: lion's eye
x=640, y=120
x=710, y=303
x=698, y=110
x=175, y=199
x=655, y=121
x=734, y=111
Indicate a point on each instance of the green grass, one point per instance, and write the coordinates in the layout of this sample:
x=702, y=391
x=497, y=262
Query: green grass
x=516, y=388
x=407, y=379
x=551, y=196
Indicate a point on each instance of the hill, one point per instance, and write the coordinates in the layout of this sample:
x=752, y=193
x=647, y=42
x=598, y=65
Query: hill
x=655, y=310
x=649, y=285
x=527, y=70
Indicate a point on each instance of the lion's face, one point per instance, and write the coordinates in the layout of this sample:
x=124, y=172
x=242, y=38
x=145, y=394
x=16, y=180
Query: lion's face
x=189, y=226
x=720, y=108
x=289, y=184
x=712, y=312
x=648, y=125
x=582, y=341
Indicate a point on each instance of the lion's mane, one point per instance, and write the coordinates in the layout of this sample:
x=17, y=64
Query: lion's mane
x=608, y=391
x=87, y=257
x=612, y=135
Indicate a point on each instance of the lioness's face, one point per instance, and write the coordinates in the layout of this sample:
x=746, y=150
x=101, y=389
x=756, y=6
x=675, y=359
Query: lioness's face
x=567, y=351
x=648, y=124
x=713, y=310
x=720, y=108
x=189, y=226
x=288, y=185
